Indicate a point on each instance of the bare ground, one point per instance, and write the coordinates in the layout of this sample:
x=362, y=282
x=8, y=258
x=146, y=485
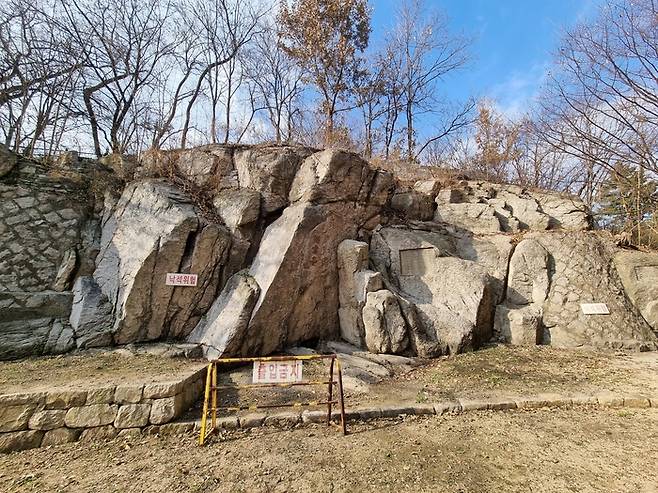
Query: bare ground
x=568, y=450
x=90, y=369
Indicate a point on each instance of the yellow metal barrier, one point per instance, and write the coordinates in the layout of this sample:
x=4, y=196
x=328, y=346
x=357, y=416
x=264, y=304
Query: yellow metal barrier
x=210, y=395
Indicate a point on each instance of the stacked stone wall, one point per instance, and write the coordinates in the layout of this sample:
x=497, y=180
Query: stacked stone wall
x=40, y=419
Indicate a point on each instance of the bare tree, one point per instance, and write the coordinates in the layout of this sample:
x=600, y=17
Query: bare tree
x=325, y=37
x=426, y=52
x=275, y=80
x=225, y=27
x=602, y=102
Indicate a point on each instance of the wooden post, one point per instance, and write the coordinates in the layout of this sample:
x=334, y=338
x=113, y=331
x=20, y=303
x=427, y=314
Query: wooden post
x=341, y=398
x=206, y=399
x=330, y=390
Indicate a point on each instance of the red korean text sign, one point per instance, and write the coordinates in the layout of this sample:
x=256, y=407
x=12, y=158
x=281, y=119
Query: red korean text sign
x=176, y=279
x=277, y=371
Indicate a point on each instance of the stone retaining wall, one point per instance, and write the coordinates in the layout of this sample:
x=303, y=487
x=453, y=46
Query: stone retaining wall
x=40, y=419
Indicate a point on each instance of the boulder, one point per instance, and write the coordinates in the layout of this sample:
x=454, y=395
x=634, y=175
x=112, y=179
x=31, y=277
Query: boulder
x=154, y=230
x=90, y=416
x=639, y=274
x=527, y=281
x=333, y=194
x=269, y=170
x=222, y=330
x=453, y=299
x=385, y=327
x=20, y=440
x=91, y=314
x=519, y=326
x=238, y=207
x=413, y=205
x=59, y=436
x=354, y=282
x=47, y=420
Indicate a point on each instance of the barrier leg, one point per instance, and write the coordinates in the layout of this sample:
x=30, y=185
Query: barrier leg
x=341, y=399
x=206, y=400
x=214, y=397
x=330, y=390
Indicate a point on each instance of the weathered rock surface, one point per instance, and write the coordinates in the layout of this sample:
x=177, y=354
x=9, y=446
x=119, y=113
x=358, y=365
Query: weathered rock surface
x=580, y=270
x=155, y=230
x=355, y=281
x=385, y=327
x=91, y=314
x=487, y=208
x=222, y=330
x=639, y=274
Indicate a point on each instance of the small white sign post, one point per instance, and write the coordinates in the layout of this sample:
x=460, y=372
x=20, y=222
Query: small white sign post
x=594, y=308
x=177, y=279
x=277, y=371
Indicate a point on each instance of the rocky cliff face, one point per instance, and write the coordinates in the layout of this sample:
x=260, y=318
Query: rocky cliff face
x=293, y=245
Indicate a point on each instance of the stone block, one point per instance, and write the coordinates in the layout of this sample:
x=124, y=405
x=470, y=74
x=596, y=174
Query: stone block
x=159, y=390
x=164, y=410
x=104, y=395
x=20, y=440
x=37, y=398
x=309, y=416
x=473, y=404
x=447, y=407
x=179, y=428
x=636, y=401
x=128, y=394
x=91, y=416
x=395, y=410
x=228, y=422
x=47, y=420
x=130, y=432
x=367, y=413
x=59, y=436
x=15, y=418
x=65, y=399
x=132, y=416
x=252, y=420
x=283, y=419
x=108, y=432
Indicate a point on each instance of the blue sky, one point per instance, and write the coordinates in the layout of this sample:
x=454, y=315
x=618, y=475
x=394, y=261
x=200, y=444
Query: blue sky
x=513, y=45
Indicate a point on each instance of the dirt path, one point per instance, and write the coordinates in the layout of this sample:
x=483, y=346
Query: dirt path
x=583, y=450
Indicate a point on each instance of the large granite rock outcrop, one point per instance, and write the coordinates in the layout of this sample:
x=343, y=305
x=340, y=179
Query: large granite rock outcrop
x=551, y=275
x=333, y=194
x=483, y=207
x=639, y=275
x=154, y=229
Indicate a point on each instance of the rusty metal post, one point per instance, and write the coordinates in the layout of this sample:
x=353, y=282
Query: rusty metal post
x=330, y=390
x=341, y=398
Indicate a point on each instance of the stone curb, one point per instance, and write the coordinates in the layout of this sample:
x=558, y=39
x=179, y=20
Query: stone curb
x=459, y=406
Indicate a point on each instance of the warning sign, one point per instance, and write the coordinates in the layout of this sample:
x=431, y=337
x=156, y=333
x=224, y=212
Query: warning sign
x=176, y=279
x=277, y=371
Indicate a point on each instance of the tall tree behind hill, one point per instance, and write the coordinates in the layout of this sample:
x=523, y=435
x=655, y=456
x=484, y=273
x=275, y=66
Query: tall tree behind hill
x=325, y=37
x=628, y=201
x=423, y=52
x=601, y=104
x=496, y=144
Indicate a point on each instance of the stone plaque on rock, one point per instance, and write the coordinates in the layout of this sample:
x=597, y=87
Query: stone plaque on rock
x=594, y=308
x=175, y=279
x=416, y=261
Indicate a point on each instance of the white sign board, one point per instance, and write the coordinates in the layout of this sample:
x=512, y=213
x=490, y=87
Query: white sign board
x=176, y=279
x=594, y=308
x=277, y=371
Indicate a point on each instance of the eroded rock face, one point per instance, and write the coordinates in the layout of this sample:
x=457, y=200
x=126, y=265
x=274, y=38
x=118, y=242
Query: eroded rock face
x=154, y=230
x=639, y=274
x=580, y=270
x=222, y=330
x=453, y=299
x=488, y=208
